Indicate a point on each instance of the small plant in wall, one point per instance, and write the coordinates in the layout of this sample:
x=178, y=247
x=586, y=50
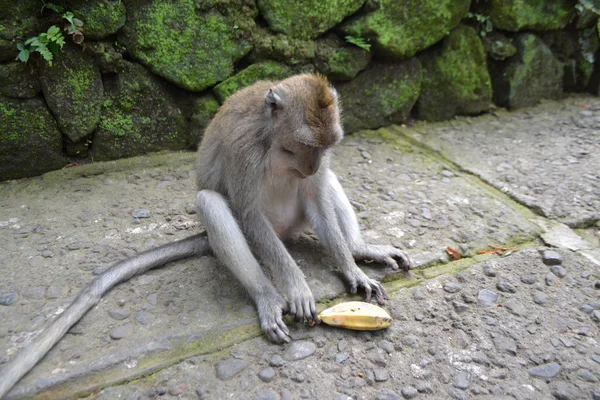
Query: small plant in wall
x=483, y=22
x=48, y=44
x=359, y=41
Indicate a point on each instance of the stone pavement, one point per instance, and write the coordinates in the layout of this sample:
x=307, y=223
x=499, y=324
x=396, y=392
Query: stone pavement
x=515, y=195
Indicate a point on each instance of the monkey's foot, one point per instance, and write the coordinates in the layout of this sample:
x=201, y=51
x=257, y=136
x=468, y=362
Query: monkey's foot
x=271, y=309
x=301, y=301
x=387, y=255
x=358, y=279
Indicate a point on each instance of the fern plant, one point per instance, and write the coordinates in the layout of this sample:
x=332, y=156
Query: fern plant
x=359, y=41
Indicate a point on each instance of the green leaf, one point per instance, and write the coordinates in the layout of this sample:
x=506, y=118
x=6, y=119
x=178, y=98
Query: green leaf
x=69, y=16
x=30, y=40
x=23, y=55
x=53, y=30
x=20, y=46
x=54, y=7
x=77, y=22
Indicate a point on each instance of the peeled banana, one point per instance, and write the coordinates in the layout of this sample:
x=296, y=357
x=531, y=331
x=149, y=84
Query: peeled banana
x=356, y=315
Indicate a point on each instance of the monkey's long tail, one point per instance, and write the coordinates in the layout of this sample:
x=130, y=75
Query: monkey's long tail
x=90, y=295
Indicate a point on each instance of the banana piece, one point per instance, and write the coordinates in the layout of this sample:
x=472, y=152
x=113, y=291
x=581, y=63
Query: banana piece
x=356, y=315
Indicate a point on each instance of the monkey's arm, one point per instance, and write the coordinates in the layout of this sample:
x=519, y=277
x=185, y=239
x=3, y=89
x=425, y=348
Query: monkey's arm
x=229, y=245
x=388, y=255
x=322, y=214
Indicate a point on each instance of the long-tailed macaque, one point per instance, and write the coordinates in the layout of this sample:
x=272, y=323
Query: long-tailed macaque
x=263, y=175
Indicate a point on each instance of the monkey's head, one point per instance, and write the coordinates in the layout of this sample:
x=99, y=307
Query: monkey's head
x=304, y=117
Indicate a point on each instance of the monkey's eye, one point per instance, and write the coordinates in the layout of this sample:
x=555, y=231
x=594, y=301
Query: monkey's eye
x=287, y=151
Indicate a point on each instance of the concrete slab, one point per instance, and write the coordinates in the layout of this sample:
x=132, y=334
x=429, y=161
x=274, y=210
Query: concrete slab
x=546, y=157
x=59, y=230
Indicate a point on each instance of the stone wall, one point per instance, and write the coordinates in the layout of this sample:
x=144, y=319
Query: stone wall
x=150, y=74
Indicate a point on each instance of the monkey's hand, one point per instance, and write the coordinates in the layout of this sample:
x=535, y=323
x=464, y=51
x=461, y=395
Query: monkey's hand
x=387, y=255
x=358, y=279
x=271, y=308
x=301, y=300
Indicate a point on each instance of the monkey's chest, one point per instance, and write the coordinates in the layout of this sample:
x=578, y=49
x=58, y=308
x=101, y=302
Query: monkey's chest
x=283, y=208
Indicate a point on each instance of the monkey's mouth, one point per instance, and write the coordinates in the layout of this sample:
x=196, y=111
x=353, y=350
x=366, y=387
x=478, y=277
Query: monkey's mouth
x=297, y=173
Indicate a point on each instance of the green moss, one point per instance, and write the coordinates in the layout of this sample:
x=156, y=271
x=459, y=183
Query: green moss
x=101, y=18
x=346, y=62
x=519, y=15
x=401, y=29
x=193, y=50
x=306, y=19
x=267, y=70
x=456, y=79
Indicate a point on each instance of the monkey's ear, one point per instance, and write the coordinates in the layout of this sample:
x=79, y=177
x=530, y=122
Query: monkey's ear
x=273, y=102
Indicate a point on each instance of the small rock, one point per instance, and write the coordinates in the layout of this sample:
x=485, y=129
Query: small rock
x=267, y=374
x=119, y=313
x=586, y=375
x=558, y=270
x=388, y=394
x=386, y=345
x=203, y=391
x=586, y=308
x=596, y=394
x=545, y=371
x=528, y=279
x=143, y=317
x=515, y=307
x=488, y=270
x=377, y=357
x=177, y=390
x=540, y=298
x=276, y=361
x=423, y=387
x=462, y=380
x=8, y=299
x=420, y=293
x=459, y=307
x=596, y=315
x=597, y=285
x=409, y=392
x=266, y=395
x=487, y=298
x=286, y=394
x=552, y=280
x=419, y=317
x=566, y=391
x=452, y=287
x=227, y=369
x=504, y=344
x=141, y=213
x=505, y=287
x=381, y=375
x=190, y=209
x=299, y=350
x=477, y=390
x=299, y=378
x=551, y=257
x=121, y=332
x=342, y=344
x=341, y=357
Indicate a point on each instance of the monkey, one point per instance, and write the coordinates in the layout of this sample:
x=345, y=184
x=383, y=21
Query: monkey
x=262, y=172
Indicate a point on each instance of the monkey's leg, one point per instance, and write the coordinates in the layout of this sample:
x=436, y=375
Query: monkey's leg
x=388, y=255
x=321, y=212
x=229, y=245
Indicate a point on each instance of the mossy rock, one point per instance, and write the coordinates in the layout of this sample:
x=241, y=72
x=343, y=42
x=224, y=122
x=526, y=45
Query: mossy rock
x=577, y=50
x=401, y=29
x=139, y=115
x=101, y=18
x=18, y=22
x=281, y=47
x=193, y=49
x=73, y=90
x=306, y=19
x=380, y=95
x=30, y=142
x=19, y=80
x=536, y=15
x=498, y=46
x=266, y=70
x=455, y=77
x=340, y=61
x=204, y=109
x=532, y=74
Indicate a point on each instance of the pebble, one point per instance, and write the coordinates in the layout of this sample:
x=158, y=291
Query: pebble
x=342, y=344
x=505, y=287
x=462, y=381
x=8, y=299
x=488, y=270
x=341, y=357
x=545, y=371
x=540, y=298
x=515, y=306
x=299, y=350
x=528, y=279
x=420, y=293
x=381, y=375
x=386, y=345
x=487, y=298
x=119, y=314
x=177, y=390
x=597, y=285
x=586, y=308
x=551, y=257
x=596, y=315
x=558, y=270
x=423, y=387
x=121, y=332
x=504, y=344
x=276, y=361
x=388, y=394
x=266, y=395
x=286, y=394
x=267, y=374
x=596, y=394
x=566, y=391
x=452, y=287
x=409, y=392
x=552, y=280
x=587, y=375
x=143, y=317
x=141, y=213
x=227, y=369
x=459, y=307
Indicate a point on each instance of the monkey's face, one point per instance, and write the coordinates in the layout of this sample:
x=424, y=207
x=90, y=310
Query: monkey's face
x=291, y=158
